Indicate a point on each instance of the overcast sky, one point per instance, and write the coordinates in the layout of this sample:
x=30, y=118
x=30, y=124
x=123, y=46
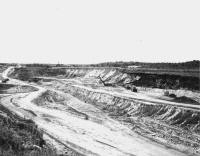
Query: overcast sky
x=92, y=31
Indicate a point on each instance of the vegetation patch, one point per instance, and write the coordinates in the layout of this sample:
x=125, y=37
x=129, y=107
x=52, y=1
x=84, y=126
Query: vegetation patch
x=21, y=137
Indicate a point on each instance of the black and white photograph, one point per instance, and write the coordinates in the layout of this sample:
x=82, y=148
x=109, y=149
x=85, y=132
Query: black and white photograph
x=99, y=78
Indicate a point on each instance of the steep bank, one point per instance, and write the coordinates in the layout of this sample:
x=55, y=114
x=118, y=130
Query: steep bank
x=179, y=126
x=90, y=132
x=114, y=76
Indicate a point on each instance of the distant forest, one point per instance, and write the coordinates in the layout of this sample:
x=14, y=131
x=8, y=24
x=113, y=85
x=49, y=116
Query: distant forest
x=195, y=64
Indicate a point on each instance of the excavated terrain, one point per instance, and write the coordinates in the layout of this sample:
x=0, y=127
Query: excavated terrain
x=165, y=122
x=119, y=76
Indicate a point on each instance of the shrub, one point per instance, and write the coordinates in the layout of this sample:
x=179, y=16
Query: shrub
x=134, y=89
x=21, y=137
x=166, y=93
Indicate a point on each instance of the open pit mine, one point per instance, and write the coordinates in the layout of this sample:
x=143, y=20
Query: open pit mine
x=102, y=111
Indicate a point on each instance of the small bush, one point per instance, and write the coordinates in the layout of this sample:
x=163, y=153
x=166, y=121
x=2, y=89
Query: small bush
x=134, y=89
x=166, y=93
x=21, y=137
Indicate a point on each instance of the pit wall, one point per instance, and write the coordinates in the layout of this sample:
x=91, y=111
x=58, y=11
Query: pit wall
x=118, y=76
x=109, y=75
x=167, y=113
x=115, y=76
x=164, y=121
x=152, y=84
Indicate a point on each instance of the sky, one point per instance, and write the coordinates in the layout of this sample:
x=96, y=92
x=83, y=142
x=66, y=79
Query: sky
x=93, y=31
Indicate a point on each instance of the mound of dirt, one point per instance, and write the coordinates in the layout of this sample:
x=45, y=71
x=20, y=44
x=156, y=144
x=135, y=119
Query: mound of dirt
x=11, y=89
x=184, y=99
x=49, y=97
